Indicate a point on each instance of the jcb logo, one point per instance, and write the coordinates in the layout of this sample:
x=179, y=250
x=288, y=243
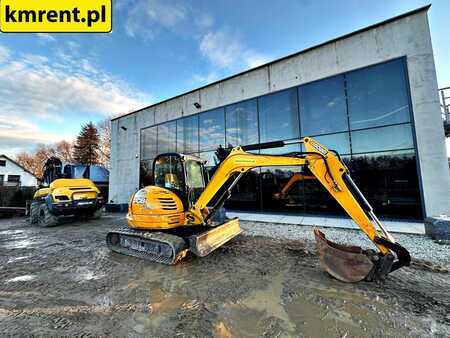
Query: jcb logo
x=54, y=16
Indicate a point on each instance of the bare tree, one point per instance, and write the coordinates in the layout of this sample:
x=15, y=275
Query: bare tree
x=64, y=151
x=34, y=162
x=104, y=130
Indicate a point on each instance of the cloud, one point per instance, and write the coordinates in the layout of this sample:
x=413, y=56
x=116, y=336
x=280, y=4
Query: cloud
x=35, y=92
x=224, y=50
x=46, y=37
x=149, y=17
x=4, y=54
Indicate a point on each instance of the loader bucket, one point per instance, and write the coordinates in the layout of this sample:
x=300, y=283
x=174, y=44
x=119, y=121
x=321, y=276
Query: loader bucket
x=203, y=244
x=347, y=263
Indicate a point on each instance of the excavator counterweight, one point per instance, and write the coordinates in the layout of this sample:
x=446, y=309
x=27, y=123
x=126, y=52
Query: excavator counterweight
x=180, y=213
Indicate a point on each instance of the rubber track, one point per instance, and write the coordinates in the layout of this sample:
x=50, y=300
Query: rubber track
x=174, y=245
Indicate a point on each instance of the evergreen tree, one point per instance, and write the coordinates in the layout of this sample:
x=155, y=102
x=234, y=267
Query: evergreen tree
x=87, y=145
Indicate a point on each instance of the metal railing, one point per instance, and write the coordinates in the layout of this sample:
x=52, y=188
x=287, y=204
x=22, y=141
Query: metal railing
x=444, y=98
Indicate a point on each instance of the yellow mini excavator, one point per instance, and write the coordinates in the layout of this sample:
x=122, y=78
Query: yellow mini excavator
x=179, y=213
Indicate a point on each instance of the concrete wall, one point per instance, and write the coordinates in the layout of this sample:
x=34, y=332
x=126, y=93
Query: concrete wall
x=407, y=36
x=26, y=179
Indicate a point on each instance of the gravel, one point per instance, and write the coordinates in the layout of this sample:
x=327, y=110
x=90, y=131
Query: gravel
x=419, y=246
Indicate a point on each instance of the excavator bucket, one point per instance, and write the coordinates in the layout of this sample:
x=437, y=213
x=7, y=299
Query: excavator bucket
x=347, y=263
x=206, y=242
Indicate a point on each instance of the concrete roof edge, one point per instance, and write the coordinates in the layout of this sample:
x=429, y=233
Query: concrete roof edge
x=378, y=24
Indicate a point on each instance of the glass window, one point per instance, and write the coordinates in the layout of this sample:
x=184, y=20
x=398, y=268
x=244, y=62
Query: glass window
x=381, y=139
x=148, y=143
x=275, y=178
x=13, y=178
x=378, y=95
x=339, y=142
x=242, y=123
x=246, y=194
x=180, y=136
x=317, y=199
x=145, y=173
x=210, y=158
x=278, y=116
x=323, y=109
x=389, y=181
x=290, y=148
x=187, y=134
x=169, y=172
x=167, y=137
x=194, y=174
x=212, y=129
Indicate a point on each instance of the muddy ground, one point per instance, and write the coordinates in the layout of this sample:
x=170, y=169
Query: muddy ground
x=64, y=281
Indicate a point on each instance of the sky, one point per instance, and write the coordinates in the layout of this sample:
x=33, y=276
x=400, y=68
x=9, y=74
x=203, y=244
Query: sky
x=50, y=84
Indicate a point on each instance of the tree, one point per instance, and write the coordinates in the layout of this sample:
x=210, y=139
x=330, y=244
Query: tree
x=87, y=146
x=34, y=162
x=104, y=130
x=64, y=151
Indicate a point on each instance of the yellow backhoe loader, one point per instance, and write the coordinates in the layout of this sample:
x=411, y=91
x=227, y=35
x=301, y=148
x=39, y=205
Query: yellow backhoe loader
x=178, y=214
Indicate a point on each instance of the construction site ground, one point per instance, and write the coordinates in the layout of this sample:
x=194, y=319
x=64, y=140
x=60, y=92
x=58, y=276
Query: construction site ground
x=64, y=281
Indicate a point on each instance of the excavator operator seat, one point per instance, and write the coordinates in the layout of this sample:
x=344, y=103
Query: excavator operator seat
x=171, y=181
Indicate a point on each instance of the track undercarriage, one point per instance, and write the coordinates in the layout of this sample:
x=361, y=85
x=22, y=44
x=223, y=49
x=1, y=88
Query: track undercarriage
x=171, y=247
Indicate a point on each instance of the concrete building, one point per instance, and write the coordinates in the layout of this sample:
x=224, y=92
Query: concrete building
x=372, y=95
x=13, y=174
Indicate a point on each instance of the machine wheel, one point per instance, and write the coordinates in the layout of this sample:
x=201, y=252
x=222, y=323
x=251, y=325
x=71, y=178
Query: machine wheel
x=45, y=218
x=34, y=212
x=97, y=214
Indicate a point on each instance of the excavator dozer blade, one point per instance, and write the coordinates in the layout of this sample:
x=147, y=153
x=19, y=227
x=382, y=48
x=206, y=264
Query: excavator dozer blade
x=206, y=242
x=347, y=263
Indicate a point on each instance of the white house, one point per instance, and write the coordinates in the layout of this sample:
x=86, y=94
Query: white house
x=12, y=173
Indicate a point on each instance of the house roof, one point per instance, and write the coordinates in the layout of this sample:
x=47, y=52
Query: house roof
x=378, y=24
x=17, y=164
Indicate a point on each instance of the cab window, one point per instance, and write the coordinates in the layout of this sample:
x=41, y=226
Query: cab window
x=195, y=180
x=169, y=173
x=194, y=175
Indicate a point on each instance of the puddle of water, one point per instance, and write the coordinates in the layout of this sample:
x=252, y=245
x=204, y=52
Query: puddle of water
x=85, y=274
x=16, y=259
x=271, y=304
x=18, y=244
x=11, y=232
x=23, y=278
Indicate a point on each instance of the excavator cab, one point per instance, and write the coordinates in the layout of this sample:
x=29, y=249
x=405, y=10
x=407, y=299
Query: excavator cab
x=184, y=175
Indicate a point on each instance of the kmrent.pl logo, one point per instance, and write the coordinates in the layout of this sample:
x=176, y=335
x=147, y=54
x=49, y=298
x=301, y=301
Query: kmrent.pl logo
x=52, y=16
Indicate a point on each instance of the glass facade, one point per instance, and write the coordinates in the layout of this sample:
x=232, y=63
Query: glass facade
x=242, y=123
x=364, y=114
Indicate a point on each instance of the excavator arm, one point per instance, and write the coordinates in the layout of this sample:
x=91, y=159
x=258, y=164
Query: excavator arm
x=347, y=263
